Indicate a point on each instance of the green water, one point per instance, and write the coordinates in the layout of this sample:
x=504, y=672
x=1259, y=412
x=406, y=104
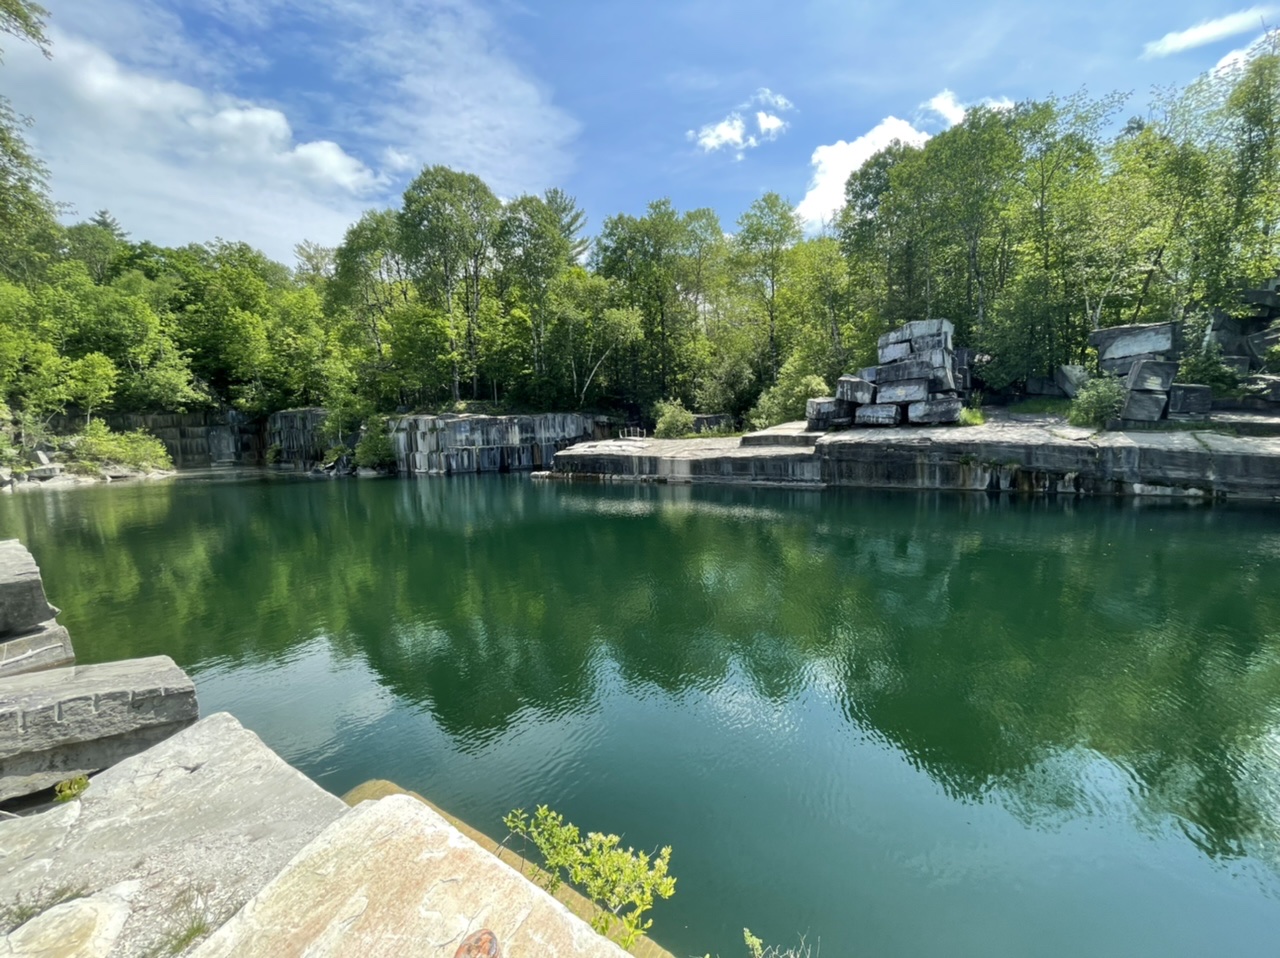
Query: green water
x=904, y=725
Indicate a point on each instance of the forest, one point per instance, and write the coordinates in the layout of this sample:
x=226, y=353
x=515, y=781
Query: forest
x=1027, y=226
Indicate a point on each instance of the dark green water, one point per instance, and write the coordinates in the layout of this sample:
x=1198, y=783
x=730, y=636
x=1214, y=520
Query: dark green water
x=904, y=725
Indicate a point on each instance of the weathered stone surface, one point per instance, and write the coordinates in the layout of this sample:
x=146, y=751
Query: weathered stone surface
x=869, y=373
x=821, y=407
x=82, y=928
x=23, y=605
x=1044, y=386
x=854, y=390
x=48, y=646
x=879, y=414
x=1070, y=379
x=892, y=352
x=1152, y=375
x=1240, y=365
x=924, y=343
x=1143, y=406
x=919, y=327
x=784, y=434
x=72, y=721
x=392, y=872
x=910, y=390
x=1190, y=400
x=935, y=411
x=200, y=822
x=937, y=358
x=1261, y=343
x=907, y=369
x=464, y=443
x=1122, y=366
x=1117, y=342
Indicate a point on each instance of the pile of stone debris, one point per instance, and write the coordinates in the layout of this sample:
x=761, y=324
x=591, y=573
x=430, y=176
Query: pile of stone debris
x=920, y=380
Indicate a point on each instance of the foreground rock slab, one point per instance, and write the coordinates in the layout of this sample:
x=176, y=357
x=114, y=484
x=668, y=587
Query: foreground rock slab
x=61, y=723
x=183, y=834
x=394, y=878
x=23, y=605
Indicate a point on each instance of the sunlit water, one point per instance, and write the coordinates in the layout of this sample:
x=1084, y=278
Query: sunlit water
x=937, y=725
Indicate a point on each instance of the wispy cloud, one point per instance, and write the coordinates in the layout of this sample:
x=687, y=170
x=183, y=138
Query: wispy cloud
x=1208, y=31
x=833, y=162
x=948, y=107
x=736, y=132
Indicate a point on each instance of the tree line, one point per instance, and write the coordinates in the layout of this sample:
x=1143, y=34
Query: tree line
x=1027, y=226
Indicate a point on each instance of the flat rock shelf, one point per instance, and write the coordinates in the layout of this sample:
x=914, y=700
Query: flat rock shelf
x=1004, y=455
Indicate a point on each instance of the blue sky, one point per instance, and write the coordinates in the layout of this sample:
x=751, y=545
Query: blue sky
x=274, y=121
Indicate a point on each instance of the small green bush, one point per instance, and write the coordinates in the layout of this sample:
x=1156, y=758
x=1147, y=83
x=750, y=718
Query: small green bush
x=1098, y=401
x=138, y=449
x=1206, y=368
x=972, y=417
x=785, y=401
x=273, y=453
x=1273, y=359
x=374, y=450
x=673, y=420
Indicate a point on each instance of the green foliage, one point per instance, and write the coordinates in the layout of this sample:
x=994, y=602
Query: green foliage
x=138, y=449
x=71, y=789
x=1273, y=359
x=272, y=455
x=756, y=948
x=785, y=401
x=672, y=419
x=621, y=881
x=1202, y=363
x=1098, y=401
x=972, y=416
x=375, y=450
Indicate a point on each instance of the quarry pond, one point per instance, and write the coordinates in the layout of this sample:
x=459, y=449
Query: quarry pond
x=901, y=724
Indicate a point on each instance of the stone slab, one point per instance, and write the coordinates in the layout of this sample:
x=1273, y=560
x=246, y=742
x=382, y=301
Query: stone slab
x=1152, y=375
x=919, y=327
x=1240, y=365
x=1070, y=379
x=392, y=877
x=878, y=414
x=23, y=605
x=907, y=369
x=854, y=390
x=1261, y=343
x=47, y=647
x=942, y=340
x=909, y=390
x=935, y=411
x=1122, y=366
x=892, y=352
x=1118, y=342
x=85, y=927
x=199, y=824
x=823, y=407
x=60, y=723
x=869, y=373
x=1190, y=400
x=1143, y=406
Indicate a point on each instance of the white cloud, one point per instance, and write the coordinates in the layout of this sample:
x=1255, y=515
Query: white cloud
x=1208, y=31
x=948, y=107
x=131, y=114
x=833, y=162
x=731, y=132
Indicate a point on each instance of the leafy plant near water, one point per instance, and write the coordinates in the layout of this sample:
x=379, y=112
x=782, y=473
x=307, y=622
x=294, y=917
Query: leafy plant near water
x=969, y=416
x=1097, y=401
x=374, y=450
x=71, y=789
x=1206, y=368
x=622, y=882
x=673, y=420
x=138, y=449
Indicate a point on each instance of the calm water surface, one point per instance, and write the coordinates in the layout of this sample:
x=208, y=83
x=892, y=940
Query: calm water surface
x=903, y=725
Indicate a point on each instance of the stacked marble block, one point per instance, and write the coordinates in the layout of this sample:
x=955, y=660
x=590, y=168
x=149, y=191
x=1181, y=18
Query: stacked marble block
x=30, y=638
x=1154, y=396
x=918, y=381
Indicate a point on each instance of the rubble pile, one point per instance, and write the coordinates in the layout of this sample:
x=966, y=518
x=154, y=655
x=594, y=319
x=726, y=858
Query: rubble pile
x=919, y=381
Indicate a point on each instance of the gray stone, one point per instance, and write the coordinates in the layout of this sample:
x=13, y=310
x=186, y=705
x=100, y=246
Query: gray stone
x=892, y=352
x=23, y=605
x=1240, y=365
x=81, y=928
x=907, y=369
x=42, y=458
x=1070, y=379
x=919, y=327
x=910, y=390
x=1260, y=344
x=1122, y=366
x=922, y=344
x=393, y=871
x=935, y=411
x=60, y=723
x=878, y=414
x=851, y=389
x=1152, y=375
x=48, y=646
x=45, y=472
x=820, y=411
x=196, y=825
x=1118, y=342
x=1190, y=400
x=1144, y=406
x=1044, y=386
x=869, y=373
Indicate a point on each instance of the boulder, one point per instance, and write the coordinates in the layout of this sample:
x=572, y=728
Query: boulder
x=1190, y=402
x=1070, y=379
x=23, y=606
x=868, y=373
x=60, y=723
x=1145, y=406
x=1152, y=375
x=1240, y=365
x=935, y=411
x=851, y=389
x=907, y=369
x=1118, y=342
x=878, y=414
x=47, y=646
x=909, y=390
x=892, y=352
x=1259, y=344
x=924, y=343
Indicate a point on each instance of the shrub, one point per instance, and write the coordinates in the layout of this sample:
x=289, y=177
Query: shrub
x=1206, y=368
x=785, y=400
x=1273, y=359
x=970, y=416
x=273, y=453
x=374, y=450
x=138, y=449
x=673, y=420
x=622, y=882
x=1098, y=401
